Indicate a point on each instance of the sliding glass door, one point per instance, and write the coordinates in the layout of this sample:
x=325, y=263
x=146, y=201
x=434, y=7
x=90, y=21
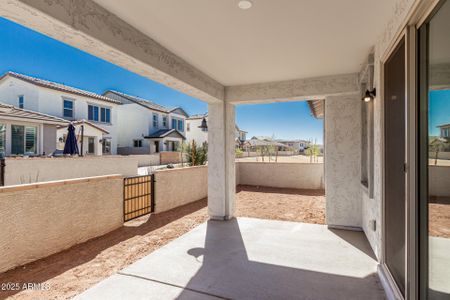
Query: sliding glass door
x=394, y=157
x=434, y=154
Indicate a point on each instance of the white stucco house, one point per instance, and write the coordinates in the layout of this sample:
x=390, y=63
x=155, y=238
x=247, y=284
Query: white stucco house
x=27, y=133
x=146, y=127
x=297, y=145
x=64, y=102
x=89, y=137
x=197, y=129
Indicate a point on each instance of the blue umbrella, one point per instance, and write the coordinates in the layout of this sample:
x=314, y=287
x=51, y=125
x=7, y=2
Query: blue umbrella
x=71, y=146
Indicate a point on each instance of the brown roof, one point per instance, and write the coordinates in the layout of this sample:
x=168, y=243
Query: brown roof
x=199, y=116
x=59, y=87
x=317, y=108
x=78, y=122
x=10, y=111
x=146, y=103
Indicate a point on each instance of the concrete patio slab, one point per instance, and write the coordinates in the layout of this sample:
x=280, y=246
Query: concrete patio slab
x=251, y=259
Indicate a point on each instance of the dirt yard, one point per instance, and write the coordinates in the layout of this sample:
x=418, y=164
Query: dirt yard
x=284, y=159
x=68, y=273
x=439, y=216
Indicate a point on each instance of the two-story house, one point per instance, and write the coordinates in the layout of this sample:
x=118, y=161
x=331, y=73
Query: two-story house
x=197, y=130
x=146, y=127
x=93, y=113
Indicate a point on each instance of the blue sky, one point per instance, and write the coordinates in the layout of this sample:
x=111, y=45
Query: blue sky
x=25, y=51
x=438, y=110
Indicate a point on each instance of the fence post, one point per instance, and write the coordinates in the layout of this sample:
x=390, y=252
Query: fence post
x=2, y=171
x=153, y=193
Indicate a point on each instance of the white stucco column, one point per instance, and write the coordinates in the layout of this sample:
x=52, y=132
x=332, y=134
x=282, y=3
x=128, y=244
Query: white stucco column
x=221, y=161
x=343, y=161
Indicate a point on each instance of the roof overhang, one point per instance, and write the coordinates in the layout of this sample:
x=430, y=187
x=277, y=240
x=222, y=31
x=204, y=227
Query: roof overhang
x=317, y=108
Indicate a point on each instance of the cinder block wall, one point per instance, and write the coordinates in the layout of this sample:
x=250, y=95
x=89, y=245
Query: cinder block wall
x=38, y=220
x=177, y=187
x=281, y=175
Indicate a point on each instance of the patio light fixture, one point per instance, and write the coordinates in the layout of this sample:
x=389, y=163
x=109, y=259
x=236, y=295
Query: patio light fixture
x=204, y=125
x=370, y=95
x=245, y=4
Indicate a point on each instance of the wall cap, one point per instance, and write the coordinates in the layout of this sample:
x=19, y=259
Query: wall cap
x=47, y=184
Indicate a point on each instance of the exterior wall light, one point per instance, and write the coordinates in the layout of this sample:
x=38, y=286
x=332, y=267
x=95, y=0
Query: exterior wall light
x=204, y=124
x=245, y=4
x=370, y=95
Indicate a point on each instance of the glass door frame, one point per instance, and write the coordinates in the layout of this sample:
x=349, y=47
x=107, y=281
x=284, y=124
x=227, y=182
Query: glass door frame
x=402, y=38
x=422, y=29
x=416, y=216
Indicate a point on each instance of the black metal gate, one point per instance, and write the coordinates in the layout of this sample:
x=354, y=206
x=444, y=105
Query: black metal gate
x=2, y=171
x=138, y=196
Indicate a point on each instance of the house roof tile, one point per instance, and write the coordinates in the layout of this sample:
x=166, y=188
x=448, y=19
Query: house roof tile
x=59, y=87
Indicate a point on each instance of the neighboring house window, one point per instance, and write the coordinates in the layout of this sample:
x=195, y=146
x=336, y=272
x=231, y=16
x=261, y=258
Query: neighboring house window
x=106, y=146
x=105, y=115
x=155, y=120
x=137, y=143
x=21, y=101
x=68, y=108
x=23, y=140
x=180, y=125
x=174, y=123
x=99, y=114
x=2, y=139
x=93, y=113
x=188, y=127
x=165, y=121
x=91, y=145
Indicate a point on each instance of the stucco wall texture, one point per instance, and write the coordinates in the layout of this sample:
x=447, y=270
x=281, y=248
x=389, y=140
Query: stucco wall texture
x=343, y=161
x=31, y=170
x=38, y=220
x=176, y=187
x=281, y=175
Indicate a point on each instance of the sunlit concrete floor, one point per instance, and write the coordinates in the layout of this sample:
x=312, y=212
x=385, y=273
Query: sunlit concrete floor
x=251, y=259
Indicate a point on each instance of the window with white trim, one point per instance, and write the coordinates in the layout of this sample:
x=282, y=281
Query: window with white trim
x=155, y=121
x=99, y=114
x=21, y=101
x=68, y=108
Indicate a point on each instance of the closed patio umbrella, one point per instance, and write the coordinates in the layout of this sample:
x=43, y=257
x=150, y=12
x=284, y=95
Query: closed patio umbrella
x=71, y=146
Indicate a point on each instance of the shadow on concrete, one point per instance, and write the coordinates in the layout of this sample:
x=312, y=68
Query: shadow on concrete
x=354, y=239
x=227, y=272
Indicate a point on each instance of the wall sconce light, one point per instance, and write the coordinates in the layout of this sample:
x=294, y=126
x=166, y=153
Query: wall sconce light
x=204, y=125
x=100, y=141
x=370, y=95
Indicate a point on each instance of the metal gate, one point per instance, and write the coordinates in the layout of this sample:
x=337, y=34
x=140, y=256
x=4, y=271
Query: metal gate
x=138, y=196
x=2, y=171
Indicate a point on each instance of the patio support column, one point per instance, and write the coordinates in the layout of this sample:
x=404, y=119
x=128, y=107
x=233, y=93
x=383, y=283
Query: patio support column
x=221, y=161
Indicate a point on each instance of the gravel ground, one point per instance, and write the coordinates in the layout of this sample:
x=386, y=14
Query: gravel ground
x=439, y=216
x=70, y=272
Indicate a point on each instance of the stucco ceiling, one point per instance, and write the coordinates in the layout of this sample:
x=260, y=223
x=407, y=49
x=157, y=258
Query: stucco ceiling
x=274, y=40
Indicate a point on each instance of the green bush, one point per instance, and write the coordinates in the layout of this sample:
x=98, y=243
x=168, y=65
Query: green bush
x=197, y=156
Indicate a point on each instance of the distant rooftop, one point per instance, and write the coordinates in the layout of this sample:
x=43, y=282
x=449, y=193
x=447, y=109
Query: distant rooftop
x=198, y=116
x=9, y=111
x=58, y=86
x=145, y=102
